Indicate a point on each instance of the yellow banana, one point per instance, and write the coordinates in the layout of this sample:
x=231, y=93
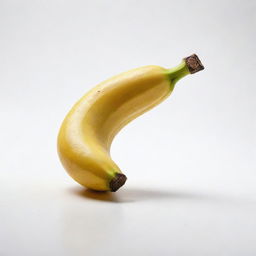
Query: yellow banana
x=87, y=132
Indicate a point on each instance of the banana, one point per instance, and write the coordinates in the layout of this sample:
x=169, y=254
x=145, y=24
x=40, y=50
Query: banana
x=86, y=134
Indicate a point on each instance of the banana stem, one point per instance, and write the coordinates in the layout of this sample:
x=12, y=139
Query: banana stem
x=189, y=65
x=178, y=72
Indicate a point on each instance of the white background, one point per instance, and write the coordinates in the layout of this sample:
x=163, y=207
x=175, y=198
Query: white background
x=190, y=162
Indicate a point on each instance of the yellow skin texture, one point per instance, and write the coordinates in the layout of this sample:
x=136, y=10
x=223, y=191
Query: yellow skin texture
x=87, y=132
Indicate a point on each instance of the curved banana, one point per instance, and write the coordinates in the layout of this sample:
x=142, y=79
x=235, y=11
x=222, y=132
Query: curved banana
x=86, y=134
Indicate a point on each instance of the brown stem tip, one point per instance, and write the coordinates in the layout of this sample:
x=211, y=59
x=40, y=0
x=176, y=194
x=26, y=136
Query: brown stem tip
x=193, y=63
x=117, y=182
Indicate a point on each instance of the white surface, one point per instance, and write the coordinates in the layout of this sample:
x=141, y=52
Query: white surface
x=190, y=162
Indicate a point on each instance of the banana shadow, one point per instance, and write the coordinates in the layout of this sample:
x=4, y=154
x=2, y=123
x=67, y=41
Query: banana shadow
x=129, y=195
